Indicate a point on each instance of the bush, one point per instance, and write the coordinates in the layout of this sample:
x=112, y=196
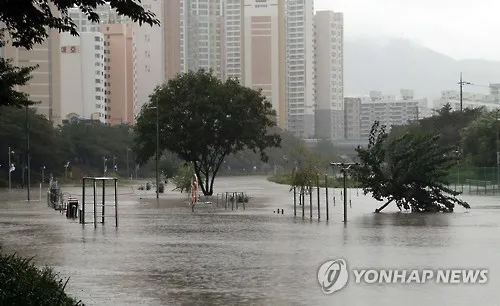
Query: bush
x=22, y=283
x=161, y=188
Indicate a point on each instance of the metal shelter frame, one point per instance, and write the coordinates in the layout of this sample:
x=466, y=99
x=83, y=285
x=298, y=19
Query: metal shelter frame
x=95, y=202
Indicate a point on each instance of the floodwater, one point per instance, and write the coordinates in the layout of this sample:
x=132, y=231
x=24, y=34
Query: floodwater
x=163, y=254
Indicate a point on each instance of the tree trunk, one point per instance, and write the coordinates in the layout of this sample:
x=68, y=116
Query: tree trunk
x=383, y=206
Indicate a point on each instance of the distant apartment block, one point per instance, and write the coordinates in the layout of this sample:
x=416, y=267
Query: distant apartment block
x=489, y=101
x=352, y=118
x=149, y=42
x=202, y=36
x=82, y=77
x=234, y=53
x=171, y=26
x=265, y=52
x=44, y=86
x=329, y=111
x=300, y=68
x=389, y=110
x=120, y=73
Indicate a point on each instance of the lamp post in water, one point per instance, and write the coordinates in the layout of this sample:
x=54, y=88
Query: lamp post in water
x=157, y=147
x=344, y=167
x=43, y=174
x=10, y=168
x=66, y=170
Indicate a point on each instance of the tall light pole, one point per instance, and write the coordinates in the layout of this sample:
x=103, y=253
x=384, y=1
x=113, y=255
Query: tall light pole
x=498, y=153
x=157, y=147
x=462, y=83
x=43, y=174
x=11, y=168
x=128, y=172
x=66, y=170
x=28, y=151
x=344, y=167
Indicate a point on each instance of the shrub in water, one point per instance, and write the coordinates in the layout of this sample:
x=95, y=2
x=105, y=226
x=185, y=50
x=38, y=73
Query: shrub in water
x=22, y=283
x=161, y=188
x=148, y=186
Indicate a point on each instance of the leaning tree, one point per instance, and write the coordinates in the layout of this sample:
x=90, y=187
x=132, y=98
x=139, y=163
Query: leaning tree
x=26, y=23
x=203, y=120
x=409, y=170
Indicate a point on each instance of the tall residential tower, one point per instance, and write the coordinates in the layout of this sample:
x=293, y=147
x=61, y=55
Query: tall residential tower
x=300, y=55
x=264, y=51
x=329, y=75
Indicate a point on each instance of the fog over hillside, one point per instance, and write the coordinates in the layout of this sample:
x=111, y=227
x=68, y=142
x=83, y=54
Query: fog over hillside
x=392, y=64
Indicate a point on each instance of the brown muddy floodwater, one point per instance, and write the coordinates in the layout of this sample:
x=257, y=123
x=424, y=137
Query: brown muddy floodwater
x=163, y=254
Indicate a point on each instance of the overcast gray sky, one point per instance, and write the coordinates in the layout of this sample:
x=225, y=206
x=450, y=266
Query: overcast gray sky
x=460, y=29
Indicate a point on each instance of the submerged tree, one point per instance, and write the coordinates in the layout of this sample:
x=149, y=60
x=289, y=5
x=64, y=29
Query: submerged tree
x=409, y=170
x=203, y=120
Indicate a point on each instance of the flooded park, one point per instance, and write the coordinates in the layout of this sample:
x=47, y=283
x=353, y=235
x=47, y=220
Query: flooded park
x=163, y=254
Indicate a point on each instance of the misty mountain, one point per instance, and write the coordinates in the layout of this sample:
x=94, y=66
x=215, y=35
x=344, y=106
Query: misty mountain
x=394, y=64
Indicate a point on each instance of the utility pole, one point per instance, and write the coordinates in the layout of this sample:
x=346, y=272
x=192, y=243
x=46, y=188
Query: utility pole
x=462, y=83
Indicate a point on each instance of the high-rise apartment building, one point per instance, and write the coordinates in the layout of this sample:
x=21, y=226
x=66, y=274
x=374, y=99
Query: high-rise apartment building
x=120, y=73
x=300, y=75
x=149, y=44
x=265, y=52
x=202, y=35
x=172, y=38
x=329, y=75
x=44, y=86
x=82, y=76
x=106, y=14
x=234, y=30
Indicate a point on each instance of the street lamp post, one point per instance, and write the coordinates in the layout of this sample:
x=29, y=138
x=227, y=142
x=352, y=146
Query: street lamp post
x=66, y=170
x=128, y=170
x=10, y=168
x=157, y=146
x=43, y=174
x=28, y=152
x=344, y=167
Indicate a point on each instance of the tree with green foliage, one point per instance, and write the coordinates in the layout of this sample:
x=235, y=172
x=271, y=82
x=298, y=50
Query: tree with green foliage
x=480, y=139
x=203, y=119
x=29, y=22
x=409, y=170
x=45, y=149
x=445, y=122
x=184, y=178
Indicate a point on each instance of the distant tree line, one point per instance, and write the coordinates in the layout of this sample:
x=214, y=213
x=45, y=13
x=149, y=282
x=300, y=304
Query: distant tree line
x=91, y=147
x=474, y=133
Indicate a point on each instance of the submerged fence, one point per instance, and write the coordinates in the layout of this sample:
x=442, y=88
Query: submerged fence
x=475, y=180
